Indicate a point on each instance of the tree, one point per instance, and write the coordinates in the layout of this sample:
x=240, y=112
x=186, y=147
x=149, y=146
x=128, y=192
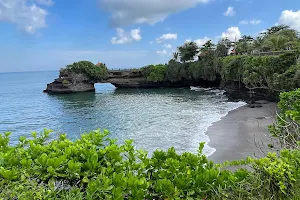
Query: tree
x=258, y=44
x=275, y=29
x=208, y=46
x=175, y=56
x=245, y=44
x=188, y=51
x=221, y=50
x=276, y=43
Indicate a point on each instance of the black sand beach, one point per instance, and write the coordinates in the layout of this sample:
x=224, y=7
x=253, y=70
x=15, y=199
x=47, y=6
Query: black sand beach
x=241, y=133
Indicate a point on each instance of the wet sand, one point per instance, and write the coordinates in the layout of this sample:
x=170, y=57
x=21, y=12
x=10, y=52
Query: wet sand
x=241, y=133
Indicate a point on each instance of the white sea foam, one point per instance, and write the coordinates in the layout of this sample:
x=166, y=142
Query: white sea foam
x=216, y=108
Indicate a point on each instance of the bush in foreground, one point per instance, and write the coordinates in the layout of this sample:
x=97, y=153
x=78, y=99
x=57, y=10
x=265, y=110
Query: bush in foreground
x=95, y=167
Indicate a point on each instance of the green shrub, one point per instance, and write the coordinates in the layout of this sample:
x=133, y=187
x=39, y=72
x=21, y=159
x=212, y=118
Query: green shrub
x=274, y=73
x=205, y=68
x=288, y=120
x=88, y=68
x=232, y=67
x=95, y=167
x=177, y=71
x=154, y=73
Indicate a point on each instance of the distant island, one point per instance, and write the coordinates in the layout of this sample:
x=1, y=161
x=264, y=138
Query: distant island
x=261, y=67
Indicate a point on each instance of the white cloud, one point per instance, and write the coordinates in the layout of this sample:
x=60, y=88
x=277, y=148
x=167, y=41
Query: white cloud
x=27, y=16
x=244, y=22
x=168, y=46
x=253, y=22
x=188, y=40
x=162, y=52
x=202, y=41
x=168, y=36
x=124, y=37
x=290, y=18
x=44, y=2
x=199, y=42
x=232, y=33
x=229, y=12
x=144, y=11
x=136, y=34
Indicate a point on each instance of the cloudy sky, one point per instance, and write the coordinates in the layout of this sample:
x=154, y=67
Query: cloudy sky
x=40, y=35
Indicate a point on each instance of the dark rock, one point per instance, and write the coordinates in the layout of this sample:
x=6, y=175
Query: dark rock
x=235, y=90
x=70, y=83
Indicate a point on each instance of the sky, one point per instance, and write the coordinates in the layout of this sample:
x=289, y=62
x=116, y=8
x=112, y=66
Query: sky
x=46, y=35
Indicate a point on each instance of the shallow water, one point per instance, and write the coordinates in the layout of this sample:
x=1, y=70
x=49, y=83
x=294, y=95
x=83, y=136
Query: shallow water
x=153, y=118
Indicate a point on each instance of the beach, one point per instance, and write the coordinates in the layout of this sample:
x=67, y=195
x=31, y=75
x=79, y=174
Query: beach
x=242, y=132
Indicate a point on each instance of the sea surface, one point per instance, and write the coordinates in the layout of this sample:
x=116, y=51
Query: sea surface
x=153, y=118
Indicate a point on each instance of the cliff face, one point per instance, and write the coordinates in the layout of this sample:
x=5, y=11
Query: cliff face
x=237, y=91
x=69, y=82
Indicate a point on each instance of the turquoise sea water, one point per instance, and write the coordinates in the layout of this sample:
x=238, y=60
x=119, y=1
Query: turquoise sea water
x=153, y=118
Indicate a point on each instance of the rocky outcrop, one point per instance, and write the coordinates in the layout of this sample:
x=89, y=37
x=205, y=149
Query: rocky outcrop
x=69, y=82
x=238, y=91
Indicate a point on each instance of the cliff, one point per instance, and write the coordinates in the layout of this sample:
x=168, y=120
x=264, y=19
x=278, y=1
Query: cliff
x=69, y=82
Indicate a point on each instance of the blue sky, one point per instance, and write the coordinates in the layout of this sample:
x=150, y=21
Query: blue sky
x=40, y=35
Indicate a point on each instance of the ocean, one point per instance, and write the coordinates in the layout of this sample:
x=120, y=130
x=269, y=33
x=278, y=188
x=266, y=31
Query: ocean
x=153, y=118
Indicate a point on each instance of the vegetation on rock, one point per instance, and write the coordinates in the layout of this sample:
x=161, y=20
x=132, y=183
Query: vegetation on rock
x=274, y=73
x=94, y=72
x=155, y=73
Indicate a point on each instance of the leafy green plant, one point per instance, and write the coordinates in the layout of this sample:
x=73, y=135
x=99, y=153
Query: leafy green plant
x=288, y=120
x=154, y=73
x=94, y=72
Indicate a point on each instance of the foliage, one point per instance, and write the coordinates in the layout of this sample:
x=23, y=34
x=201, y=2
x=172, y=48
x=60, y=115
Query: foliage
x=276, y=43
x=176, y=71
x=95, y=167
x=244, y=45
x=94, y=72
x=154, y=73
x=232, y=67
x=272, y=73
x=188, y=51
x=288, y=120
x=208, y=46
x=276, y=73
x=222, y=49
x=204, y=68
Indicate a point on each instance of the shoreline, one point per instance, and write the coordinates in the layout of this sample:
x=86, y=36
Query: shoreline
x=241, y=133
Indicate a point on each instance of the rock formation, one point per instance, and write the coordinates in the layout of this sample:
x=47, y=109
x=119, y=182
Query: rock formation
x=69, y=82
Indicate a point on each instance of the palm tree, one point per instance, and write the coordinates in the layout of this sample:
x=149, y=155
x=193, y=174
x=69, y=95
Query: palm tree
x=175, y=56
x=276, y=43
x=258, y=43
x=188, y=51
